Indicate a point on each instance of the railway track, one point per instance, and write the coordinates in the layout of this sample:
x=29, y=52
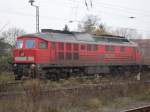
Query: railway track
x=48, y=90
x=9, y=84
x=139, y=109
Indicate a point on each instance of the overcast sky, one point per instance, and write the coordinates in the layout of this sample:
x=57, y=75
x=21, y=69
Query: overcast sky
x=55, y=14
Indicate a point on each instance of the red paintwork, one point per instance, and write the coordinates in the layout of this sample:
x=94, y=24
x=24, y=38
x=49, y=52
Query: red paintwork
x=101, y=56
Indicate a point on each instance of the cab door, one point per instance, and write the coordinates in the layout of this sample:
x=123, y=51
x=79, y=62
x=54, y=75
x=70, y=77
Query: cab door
x=53, y=55
x=43, y=55
x=133, y=53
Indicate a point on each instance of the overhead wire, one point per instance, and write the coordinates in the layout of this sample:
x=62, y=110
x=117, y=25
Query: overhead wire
x=91, y=2
x=86, y=5
x=112, y=7
x=116, y=13
x=121, y=12
x=126, y=12
x=31, y=15
x=123, y=7
x=108, y=7
x=127, y=16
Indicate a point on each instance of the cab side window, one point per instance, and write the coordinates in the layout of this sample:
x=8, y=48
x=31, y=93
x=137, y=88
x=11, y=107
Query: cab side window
x=43, y=45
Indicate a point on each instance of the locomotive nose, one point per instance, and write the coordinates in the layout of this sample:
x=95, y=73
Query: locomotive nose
x=24, y=56
x=21, y=53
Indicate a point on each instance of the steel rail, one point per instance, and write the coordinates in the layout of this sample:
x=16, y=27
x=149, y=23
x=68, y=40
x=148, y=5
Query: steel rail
x=139, y=109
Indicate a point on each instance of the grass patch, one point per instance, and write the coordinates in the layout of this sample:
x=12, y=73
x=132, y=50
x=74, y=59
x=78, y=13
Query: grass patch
x=92, y=99
x=93, y=103
x=5, y=77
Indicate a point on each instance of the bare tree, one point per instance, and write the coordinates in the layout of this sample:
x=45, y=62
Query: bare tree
x=126, y=32
x=89, y=24
x=5, y=56
x=10, y=35
x=3, y=46
x=101, y=30
x=93, y=25
x=66, y=28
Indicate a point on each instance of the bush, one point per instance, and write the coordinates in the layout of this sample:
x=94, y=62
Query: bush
x=5, y=63
x=5, y=77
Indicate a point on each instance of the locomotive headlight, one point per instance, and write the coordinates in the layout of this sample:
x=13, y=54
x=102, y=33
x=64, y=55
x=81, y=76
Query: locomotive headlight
x=15, y=65
x=33, y=66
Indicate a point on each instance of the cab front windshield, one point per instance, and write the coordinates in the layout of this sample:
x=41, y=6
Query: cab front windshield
x=19, y=44
x=30, y=43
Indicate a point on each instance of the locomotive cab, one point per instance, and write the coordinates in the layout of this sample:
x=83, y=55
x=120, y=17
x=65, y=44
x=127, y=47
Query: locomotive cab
x=24, y=51
x=26, y=55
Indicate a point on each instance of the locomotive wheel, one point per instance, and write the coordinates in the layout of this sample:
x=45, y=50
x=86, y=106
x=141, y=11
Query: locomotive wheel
x=51, y=76
x=18, y=77
x=68, y=75
x=55, y=77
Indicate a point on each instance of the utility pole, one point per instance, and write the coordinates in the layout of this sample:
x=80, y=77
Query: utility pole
x=37, y=15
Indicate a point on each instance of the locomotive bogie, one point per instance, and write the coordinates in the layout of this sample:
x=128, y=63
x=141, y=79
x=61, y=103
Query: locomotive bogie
x=24, y=70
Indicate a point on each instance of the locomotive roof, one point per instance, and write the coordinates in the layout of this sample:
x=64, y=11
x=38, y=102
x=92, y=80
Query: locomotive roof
x=142, y=42
x=82, y=37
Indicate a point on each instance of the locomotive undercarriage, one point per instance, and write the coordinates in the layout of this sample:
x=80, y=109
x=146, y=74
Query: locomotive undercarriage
x=24, y=70
x=64, y=72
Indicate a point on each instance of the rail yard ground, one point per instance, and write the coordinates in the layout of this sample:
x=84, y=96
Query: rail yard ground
x=108, y=94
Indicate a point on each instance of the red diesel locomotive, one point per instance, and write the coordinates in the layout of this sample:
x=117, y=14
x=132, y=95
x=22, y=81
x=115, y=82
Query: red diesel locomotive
x=57, y=54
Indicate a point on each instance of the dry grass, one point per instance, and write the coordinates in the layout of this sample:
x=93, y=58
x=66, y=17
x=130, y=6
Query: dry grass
x=5, y=77
x=93, y=103
x=92, y=99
